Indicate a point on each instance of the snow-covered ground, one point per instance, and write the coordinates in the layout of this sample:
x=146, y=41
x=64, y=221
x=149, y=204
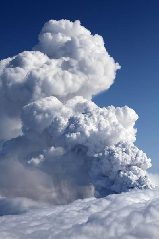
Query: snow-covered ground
x=128, y=216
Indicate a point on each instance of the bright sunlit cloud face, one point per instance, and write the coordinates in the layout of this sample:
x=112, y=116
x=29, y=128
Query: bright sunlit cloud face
x=64, y=145
x=68, y=61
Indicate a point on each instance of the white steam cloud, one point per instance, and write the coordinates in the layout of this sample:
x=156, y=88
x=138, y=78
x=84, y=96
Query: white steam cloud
x=56, y=144
x=68, y=61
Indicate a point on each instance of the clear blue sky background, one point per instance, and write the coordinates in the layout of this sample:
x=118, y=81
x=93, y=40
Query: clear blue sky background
x=131, y=33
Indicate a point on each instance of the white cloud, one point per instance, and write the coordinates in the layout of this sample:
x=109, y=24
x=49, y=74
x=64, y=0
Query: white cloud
x=131, y=215
x=62, y=146
x=154, y=177
x=97, y=155
x=68, y=61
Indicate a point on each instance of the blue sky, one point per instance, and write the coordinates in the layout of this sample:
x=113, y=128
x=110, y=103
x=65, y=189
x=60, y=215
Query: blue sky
x=131, y=33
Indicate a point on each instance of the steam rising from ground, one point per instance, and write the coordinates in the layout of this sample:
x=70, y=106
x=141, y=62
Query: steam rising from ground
x=57, y=145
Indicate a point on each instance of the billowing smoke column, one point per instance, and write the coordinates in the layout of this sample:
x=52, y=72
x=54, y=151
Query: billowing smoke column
x=56, y=144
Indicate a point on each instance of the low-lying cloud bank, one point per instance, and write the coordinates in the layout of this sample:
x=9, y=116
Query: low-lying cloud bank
x=56, y=144
x=131, y=215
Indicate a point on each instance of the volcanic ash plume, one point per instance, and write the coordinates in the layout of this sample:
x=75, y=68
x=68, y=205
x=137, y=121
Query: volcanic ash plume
x=56, y=144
